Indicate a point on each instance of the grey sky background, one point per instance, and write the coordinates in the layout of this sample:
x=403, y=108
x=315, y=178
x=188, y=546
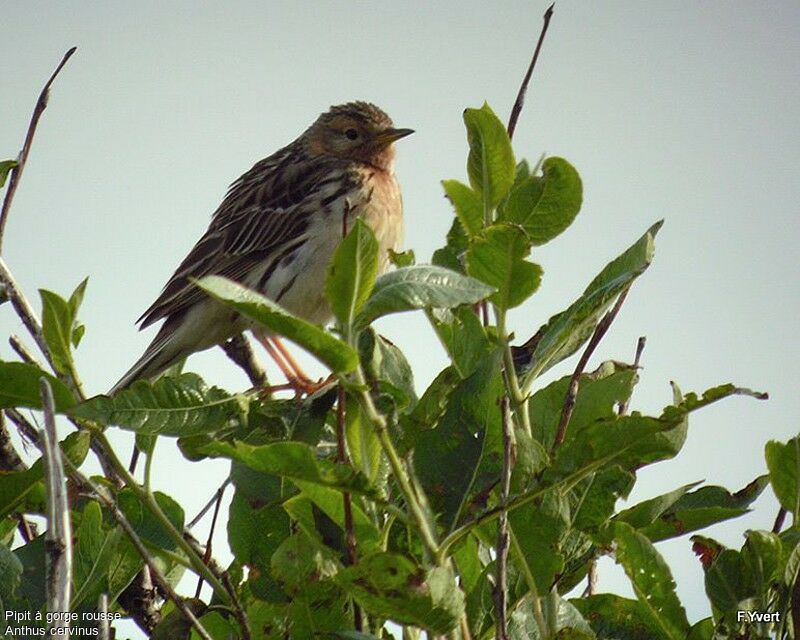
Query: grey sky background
x=678, y=110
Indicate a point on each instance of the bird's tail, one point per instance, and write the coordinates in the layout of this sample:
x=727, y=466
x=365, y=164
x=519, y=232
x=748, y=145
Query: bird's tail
x=158, y=357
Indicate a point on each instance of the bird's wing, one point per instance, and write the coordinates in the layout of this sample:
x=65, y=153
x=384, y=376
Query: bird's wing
x=264, y=216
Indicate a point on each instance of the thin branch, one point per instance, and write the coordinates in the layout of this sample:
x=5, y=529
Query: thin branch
x=501, y=580
x=517, y=108
x=347, y=499
x=24, y=309
x=240, y=351
x=100, y=493
x=10, y=460
x=58, y=540
x=207, y=554
x=572, y=393
x=103, y=632
x=623, y=408
x=140, y=600
x=22, y=351
x=591, y=580
x=238, y=610
x=16, y=172
x=209, y=504
x=779, y=520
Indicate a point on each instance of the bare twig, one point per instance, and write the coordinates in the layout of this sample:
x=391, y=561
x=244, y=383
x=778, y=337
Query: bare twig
x=517, y=108
x=16, y=172
x=209, y=504
x=24, y=309
x=501, y=581
x=207, y=554
x=779, y=520
x=238, y=610
x=108, y=502
x=624, y=406
x=572, y=393
x=239, y=350
x=591, y=580
x=26, y=529
x=141, y=599
x=22, y=351
x=102, y=624
x=28, y=432
x=9, y=458
x=58, y=541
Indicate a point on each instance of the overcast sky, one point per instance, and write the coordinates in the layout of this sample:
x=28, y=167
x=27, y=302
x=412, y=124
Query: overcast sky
x=685, y=111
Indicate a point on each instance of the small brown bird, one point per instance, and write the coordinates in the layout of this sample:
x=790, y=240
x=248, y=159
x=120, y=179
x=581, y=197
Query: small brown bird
x=276, y=231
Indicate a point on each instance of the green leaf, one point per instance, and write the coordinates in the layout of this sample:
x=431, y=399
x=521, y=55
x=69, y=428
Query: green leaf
x=255, y=531
x=391, y=586
x=218, y=627
x=463, y=336
x=431, y=406
x=352, y=273
x=31, y=587
x=19, y=387
x=763, y=556
x=702, y=508
x=599, y=394
x=539, y=530
x=497, y=257
x=402, y=259
x=181, y=406
x=362, y=441
x=5, y=167
x=145, y=523
x=333, y=353
x=385, y=364
x=330, y=502
x=647, y=511
x=420, y=287
x=652, y=582
x=702, y=630
x=467, y=204
x=612, y=616
x=566, y=620
x=57, y=327
x=450, y=256
x=728, y=582
x=75, y=301
x=15, y=486
x=11, y=570
x=491, y=166
x=545, y=206
x=783, y=462
x=94, y=552
x=458, y=462
x=595, y=499
x=565, y=332
x=295, y=461
x=307, y=571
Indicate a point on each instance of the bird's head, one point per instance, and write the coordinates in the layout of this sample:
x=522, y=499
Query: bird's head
x=357, y=131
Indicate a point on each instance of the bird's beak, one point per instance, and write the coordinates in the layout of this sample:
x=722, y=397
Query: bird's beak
x=388, y=136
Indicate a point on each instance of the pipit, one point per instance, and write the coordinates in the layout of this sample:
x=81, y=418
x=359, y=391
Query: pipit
x=276, y=231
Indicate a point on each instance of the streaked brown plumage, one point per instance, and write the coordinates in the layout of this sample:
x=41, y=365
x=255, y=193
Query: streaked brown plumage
x=276, y=231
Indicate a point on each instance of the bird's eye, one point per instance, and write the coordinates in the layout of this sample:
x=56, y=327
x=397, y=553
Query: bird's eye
x=352, y=134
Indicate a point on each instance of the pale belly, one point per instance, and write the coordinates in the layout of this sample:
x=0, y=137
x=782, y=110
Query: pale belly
x=298, y=282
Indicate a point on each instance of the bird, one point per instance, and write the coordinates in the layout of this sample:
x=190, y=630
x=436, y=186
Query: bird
x=276, y=231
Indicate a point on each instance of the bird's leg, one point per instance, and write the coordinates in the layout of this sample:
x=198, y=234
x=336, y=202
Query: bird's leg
x=298, y=370
x=297, y=378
